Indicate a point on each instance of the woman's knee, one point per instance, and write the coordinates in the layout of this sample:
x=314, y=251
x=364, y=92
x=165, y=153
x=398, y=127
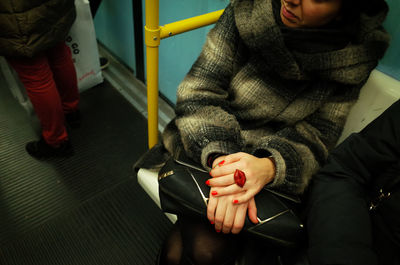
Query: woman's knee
x=206, y=253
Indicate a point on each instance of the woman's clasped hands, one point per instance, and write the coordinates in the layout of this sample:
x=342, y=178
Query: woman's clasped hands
x=229, y=202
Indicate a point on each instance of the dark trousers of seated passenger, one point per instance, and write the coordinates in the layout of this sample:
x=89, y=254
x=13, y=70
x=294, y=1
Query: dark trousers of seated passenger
x=194, y=241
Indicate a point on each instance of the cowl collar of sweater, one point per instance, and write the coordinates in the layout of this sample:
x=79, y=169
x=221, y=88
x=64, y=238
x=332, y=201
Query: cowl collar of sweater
x=351, y=64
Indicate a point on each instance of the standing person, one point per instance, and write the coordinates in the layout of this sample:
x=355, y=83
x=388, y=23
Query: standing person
x=268, y=96
x=32, y=40
x=354, y=203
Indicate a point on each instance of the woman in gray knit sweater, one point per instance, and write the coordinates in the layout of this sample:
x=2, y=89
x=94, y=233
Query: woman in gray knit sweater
x=268, y=95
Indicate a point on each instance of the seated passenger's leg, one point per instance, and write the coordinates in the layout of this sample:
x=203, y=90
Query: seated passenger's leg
x=194, y=241
x=171, y=251
x=203, y=245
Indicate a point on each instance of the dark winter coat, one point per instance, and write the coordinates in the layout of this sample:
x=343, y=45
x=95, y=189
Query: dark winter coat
x=28, y=27
x=351, y=218
x=248, y=92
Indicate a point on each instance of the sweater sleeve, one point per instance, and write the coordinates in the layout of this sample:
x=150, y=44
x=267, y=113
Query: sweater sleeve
x=339, y=226
x=299, y=150
x=202, y=111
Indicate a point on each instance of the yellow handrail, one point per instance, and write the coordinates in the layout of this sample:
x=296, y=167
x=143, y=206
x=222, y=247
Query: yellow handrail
x=153, y=34
x=185, y=25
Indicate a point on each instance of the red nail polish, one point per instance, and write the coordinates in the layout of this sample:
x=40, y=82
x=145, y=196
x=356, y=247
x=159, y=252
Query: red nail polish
x=221, y=163
x=212, y=222
x=207, y=182
x=235, y=201
x=218, y=231
x=214, y=193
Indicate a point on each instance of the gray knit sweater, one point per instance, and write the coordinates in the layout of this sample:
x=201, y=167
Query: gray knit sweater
x=248, y=92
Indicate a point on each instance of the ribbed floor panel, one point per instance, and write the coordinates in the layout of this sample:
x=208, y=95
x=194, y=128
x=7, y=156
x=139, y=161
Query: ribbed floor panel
x=114, y=228
x=87, y=209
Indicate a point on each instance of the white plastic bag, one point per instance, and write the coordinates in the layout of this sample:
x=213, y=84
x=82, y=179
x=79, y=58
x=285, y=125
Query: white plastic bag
x=83, y=44
x=14, y=84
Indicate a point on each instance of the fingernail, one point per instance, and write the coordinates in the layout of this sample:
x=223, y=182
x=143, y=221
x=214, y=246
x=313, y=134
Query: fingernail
x=218, y=231
x=235, y=201
x=221, y=163
x=207, y=182
x=212, y=222
x=214, y=193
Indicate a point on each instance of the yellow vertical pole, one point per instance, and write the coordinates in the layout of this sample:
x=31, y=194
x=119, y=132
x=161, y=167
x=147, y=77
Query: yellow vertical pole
x=152, y=40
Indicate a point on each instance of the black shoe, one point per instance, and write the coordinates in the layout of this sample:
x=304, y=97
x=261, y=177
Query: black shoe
x=103, y=63
x=40, y=149
x=73, y=119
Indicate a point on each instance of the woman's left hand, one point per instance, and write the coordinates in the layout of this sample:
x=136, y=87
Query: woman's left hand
x=228, y=217
x=258, y=172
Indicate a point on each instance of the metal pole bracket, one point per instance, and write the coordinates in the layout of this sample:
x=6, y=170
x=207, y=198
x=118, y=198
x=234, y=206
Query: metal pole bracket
x=152, y=37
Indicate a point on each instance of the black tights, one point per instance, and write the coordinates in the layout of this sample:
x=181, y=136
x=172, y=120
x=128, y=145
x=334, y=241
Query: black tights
x=194, y=241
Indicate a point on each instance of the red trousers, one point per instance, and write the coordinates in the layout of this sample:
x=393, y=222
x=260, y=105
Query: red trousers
x=51, y=84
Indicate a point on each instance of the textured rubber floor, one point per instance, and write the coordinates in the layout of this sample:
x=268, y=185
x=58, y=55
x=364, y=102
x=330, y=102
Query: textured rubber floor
x=87, y=209
x=114, y=228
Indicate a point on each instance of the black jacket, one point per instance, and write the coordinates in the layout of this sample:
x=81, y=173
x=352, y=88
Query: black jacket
x=28, y=27
x=342, y=229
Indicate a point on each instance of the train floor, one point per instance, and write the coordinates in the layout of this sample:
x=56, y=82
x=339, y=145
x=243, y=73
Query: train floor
x=86, y=209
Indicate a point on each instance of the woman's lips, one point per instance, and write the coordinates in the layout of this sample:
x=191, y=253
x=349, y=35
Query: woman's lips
x=287, y=14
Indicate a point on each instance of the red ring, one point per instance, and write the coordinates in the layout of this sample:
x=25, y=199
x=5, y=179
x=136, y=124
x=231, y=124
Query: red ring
x=239, y=177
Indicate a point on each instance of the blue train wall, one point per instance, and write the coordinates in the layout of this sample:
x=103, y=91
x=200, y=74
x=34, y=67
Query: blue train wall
x=114, y=29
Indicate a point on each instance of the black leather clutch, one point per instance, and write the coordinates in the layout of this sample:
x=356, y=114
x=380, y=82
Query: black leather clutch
x=183, y=191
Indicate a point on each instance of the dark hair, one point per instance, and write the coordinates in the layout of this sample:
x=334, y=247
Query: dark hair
x=352, y=9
